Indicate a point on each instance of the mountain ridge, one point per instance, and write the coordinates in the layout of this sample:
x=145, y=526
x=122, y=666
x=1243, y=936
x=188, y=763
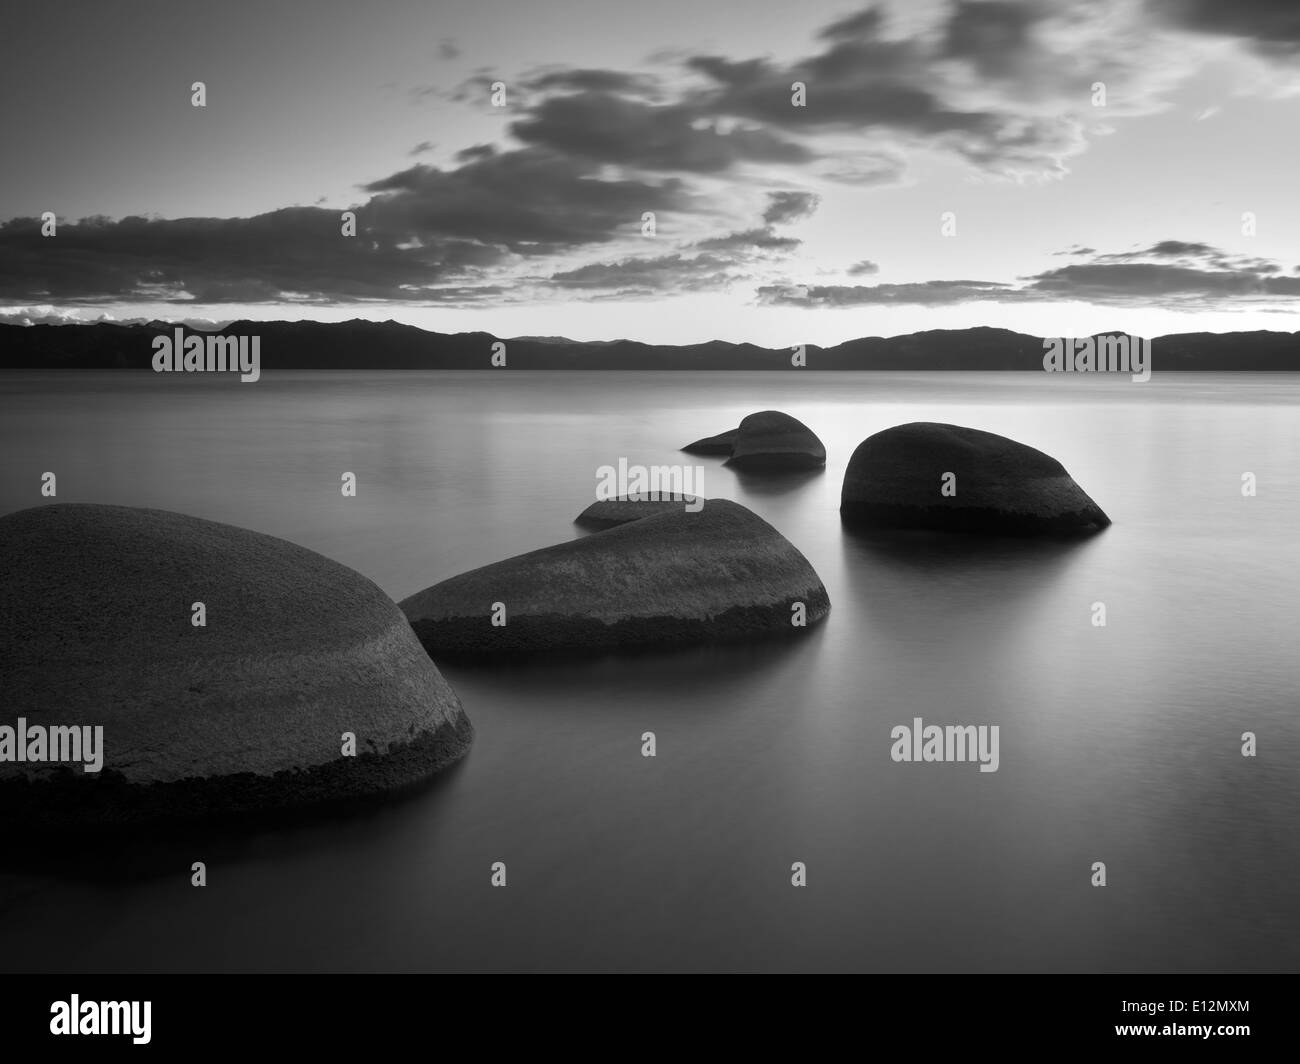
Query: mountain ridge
x=362, y=344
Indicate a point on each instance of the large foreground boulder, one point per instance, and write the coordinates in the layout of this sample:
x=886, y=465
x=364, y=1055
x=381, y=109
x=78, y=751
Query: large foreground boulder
x=247, y=713
x=721, y=573
x=606, y=513
x=773, y=441
x=928, y=475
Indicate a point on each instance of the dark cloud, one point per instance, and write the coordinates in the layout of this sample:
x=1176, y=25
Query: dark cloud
x=1109, y=280
x=586, y=79
x=290, y=254
x=865, y=268
x=1178, y=247
x=863, y=83
x=448, y=49
x=1193, y=255
x=764, y=239
x=1146, y=282
x=426, y=233
x=608, y=128
x=1271, y=26
x=1183, y=249
x=531, y=201
x=651, y=276
x=993, y=35
x=422, y=147
x=786, y=207
x=922, y=293
x=601, y=147
x=475, y=152
x=863, y=24
x=853, y=84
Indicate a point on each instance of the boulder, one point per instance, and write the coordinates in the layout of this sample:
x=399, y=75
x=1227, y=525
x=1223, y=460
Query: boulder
x=771, y=441
x=242, y=715
x=610, y=512
x=719, y=444
x=896, y=478
x=721, y=573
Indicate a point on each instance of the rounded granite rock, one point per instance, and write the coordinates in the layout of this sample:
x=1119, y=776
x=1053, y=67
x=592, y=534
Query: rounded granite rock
x=242, y=715
x=719, y=444
x=897, y=479
x=771, y=440
x=722, y=573
x=610, y=512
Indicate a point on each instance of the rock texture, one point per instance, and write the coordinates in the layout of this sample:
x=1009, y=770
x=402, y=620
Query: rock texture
x=610, y=512
x=771, y=440
x=719, y=444
x=895, y=479
x=243, y=715
x=675, y=578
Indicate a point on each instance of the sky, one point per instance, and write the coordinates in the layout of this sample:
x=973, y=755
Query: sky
x=1059, y=168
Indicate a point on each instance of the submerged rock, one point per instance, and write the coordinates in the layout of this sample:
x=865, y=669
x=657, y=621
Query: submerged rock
x=719, y=444
x=929, y=475
x=246, y=713
x=771, y=440
x=722, y=573
x=610, y=512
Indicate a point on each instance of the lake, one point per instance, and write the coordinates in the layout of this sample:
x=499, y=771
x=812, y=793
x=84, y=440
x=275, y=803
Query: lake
x=1119, y=744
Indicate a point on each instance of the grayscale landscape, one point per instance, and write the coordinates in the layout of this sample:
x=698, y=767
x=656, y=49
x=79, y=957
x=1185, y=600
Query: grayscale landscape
x=731, y=488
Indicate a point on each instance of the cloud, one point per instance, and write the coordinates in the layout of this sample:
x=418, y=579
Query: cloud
x=921, y=293
x=910, y=88
x=786, y=207
x=1272, y=27
x=583, y=152
x=992, y=35
x=1166, y=248
x=638, y=277
x=530, y=201
x=475, y=152
x=764, y=239
x=425, y=234
x=52, y=315
x=588, y=79
x=1004, y=84
x=1194, y=256
x=864, y=168
x=865, y=23
x=293, y=254
x=1199, y=277
x=999, y=83
x=608, y=128
x=1161, y=283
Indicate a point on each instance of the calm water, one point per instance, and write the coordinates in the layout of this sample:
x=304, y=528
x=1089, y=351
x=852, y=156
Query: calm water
x=1118, y=744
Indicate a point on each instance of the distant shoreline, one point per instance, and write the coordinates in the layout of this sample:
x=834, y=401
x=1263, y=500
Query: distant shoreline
x=366, y=345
